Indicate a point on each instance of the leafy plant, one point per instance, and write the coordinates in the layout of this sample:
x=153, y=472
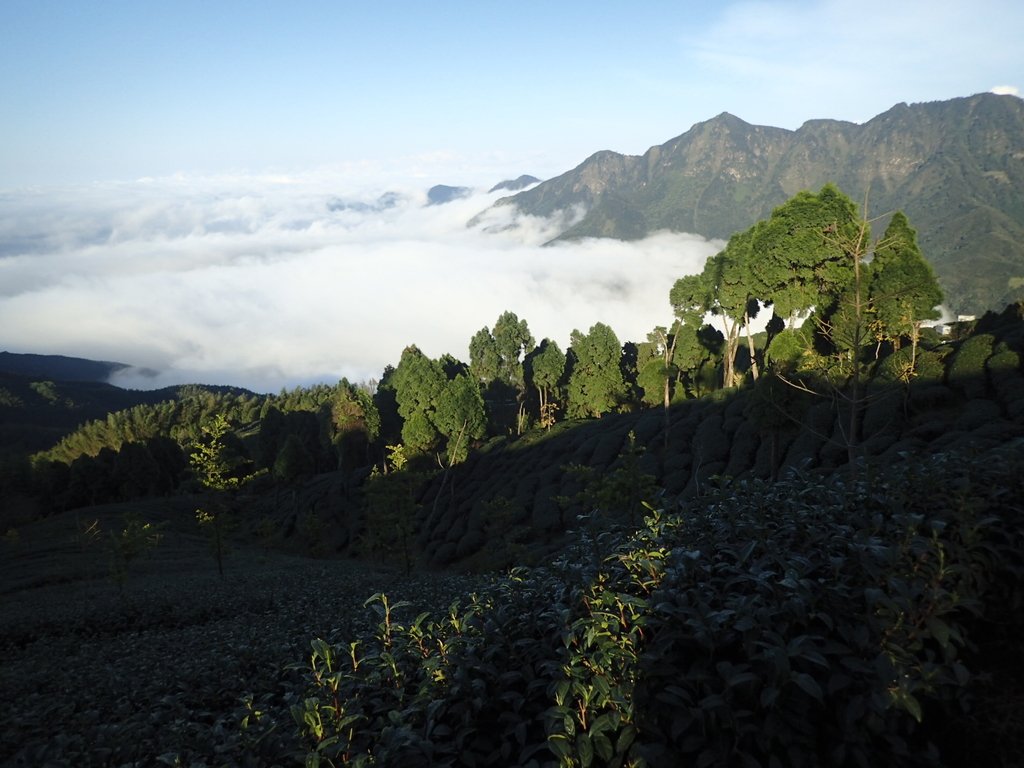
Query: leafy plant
x=806, y=622
x=133, y=540
x=212, y=467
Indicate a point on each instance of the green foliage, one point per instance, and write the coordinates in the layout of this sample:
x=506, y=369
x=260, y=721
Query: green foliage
x=807, y=622
x=904, y=291
x=697, y=351
x=337, y=426
x=735, y=289
x=10, y=400
x=656, y=365
x=512, y=340
x=789, y=349
x=595, y=384
x=213, y=468
x=293, y=461
x=391, y=508
x=425, y=691
x=797, y=253
x=483, y=356
x=544, y=368
x=351, y=423
x=210, y=461
x=691, y=298
x=498, y=362
x=616, y=497
x=967, y=371
x=651, y=378
x=180, y=417
x=46, y=390
x=132, y=541
x=460, y=416
x=418, y=383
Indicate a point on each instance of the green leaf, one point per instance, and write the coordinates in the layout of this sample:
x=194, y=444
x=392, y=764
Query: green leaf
x=561, y=691
x=559, y=744
x=603, y=747
x=809, y=686
x=585, y=749
x=626, y=737
x=939, y=630
x=912, y=705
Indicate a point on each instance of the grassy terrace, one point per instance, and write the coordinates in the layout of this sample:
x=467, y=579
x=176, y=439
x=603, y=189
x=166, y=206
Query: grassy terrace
x=97, y=675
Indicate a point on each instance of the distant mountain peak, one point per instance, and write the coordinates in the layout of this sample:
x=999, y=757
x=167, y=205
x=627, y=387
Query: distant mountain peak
x=955, y=167
x=58, y=367
x=440, y=194
x=514, y=185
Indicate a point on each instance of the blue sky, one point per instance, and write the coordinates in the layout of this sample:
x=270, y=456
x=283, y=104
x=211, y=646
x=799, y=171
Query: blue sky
x=170, y=170
x=104, y=89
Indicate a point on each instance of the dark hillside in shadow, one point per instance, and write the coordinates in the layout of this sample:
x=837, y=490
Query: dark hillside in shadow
x=966, y=396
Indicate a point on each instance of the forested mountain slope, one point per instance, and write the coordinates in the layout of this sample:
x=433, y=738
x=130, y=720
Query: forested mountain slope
x=506, y=501
x=956, y=168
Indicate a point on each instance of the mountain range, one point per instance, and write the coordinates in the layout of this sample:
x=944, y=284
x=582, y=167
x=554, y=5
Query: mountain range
x=956, y=168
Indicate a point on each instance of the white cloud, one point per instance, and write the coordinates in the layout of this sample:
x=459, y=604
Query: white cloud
x=257, y=282
x=1006, y=90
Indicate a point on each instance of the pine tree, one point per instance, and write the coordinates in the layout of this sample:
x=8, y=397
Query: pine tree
x=904, y=290
x=596, y=385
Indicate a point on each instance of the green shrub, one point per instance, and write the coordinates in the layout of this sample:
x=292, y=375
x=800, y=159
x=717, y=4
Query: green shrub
x=710, y=442
x=135, y=539
x=806, y=622
x=967, y=371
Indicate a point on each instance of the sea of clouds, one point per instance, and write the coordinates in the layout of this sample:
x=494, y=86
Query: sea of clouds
x=270, y=282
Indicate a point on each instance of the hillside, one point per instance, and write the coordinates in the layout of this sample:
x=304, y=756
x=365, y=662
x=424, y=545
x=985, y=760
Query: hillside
x=58, y=367
x=38, y=409
x=514, y=495
x=956, y=168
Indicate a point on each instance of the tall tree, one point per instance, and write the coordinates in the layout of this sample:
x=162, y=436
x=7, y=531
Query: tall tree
x=656, y=369
x=657, y=365
x=904, y=290
x=496, y=361
x=697, y=344
x=798, y=259
x=691, y=299
x=544, y=368
x=294, y=461
x=137, y=472
x=460, y=416
x=483, y=356
x=212, y=466
x=847, y=323
x=512, y=340
x=729, y=277
x=595, y=384
x=418, y=383
x=352, y=423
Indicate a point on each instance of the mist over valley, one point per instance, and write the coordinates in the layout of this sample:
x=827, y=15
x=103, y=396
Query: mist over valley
x=267, y=283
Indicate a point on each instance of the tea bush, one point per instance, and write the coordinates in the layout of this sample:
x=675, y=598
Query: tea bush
x=808, y=622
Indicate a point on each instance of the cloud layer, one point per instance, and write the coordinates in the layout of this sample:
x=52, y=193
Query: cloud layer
x=271, y=282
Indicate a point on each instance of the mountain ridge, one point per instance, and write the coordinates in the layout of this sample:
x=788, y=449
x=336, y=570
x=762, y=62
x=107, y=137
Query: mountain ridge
x=59, y=367
x=955, y=167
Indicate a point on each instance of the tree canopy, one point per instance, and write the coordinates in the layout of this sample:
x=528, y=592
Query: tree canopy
x=596, y=385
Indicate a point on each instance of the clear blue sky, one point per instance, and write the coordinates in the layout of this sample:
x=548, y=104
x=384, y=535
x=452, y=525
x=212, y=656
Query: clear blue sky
x=107, y=89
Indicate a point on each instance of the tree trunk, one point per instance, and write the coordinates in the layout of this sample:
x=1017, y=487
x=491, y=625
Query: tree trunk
x=750, y=346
